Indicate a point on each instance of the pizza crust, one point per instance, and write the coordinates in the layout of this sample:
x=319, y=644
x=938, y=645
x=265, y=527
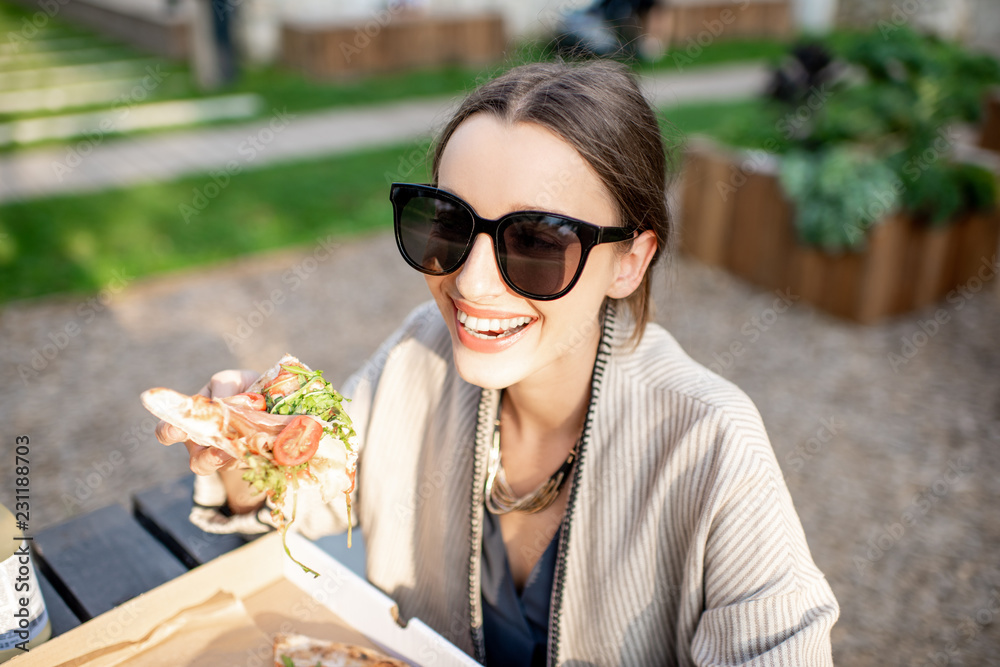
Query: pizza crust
x=306, y=651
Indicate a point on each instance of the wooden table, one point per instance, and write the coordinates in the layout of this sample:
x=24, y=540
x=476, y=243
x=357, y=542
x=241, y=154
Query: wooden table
x=95, y=562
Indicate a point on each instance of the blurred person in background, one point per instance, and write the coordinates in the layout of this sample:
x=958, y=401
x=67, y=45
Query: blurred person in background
x=545, y=476
x=213, y=51
x=607, y=28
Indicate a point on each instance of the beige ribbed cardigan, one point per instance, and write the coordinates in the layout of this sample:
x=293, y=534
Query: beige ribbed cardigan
x=680, y=545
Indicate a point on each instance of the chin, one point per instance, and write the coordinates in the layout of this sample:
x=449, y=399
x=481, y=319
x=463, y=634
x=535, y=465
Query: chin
x=489, y=373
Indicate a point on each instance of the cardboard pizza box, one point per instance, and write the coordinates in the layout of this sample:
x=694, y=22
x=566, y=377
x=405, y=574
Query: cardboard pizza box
x=228, y=610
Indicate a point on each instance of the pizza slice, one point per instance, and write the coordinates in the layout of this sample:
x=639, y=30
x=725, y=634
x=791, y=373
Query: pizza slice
x=289, y=428
x=291, y=650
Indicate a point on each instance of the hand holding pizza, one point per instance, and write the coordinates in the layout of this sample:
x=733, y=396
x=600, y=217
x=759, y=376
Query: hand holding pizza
x=281, y=430
x=206, y=460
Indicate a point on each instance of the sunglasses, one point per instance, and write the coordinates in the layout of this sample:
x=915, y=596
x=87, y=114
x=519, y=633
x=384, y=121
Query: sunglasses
x=540, y=255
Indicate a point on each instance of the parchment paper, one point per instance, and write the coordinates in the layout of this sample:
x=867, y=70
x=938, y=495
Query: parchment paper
x=224, y=631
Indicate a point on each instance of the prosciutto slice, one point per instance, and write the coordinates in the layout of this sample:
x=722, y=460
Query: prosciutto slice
x=220, y=423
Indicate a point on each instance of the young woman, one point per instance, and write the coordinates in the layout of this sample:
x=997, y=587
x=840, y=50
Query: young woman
x=545, y=477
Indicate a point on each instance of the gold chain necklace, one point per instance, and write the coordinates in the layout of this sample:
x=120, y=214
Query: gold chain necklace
x=500, y=497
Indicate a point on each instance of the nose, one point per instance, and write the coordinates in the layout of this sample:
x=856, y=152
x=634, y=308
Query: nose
x=479, y=278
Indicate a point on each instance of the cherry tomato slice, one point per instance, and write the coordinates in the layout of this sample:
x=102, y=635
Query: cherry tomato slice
x=249, y=399
x=298, y=441
x=286, y=383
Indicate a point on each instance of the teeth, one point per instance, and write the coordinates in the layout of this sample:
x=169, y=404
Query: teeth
x=478, y=327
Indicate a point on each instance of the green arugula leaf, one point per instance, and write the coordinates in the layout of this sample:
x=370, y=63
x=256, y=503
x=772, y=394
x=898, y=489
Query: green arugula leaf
x=317, y=398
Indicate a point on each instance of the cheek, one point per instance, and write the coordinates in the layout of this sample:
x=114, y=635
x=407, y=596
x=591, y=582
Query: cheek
x=576, y=313
x=598, y=276
x=436, y=285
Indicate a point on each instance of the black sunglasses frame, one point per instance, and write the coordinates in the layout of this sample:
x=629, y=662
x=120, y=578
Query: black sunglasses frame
x=590, y=235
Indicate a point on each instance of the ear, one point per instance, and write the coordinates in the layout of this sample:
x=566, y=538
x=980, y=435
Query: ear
x=632, y=265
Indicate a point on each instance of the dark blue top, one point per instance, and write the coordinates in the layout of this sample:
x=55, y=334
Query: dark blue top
x=515, y=627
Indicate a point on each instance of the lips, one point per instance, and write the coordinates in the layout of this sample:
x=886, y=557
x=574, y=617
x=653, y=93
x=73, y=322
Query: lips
x=491, y=328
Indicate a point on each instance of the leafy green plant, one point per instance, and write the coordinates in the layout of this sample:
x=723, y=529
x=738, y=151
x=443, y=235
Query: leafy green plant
x=886, y=115
x=843, y=191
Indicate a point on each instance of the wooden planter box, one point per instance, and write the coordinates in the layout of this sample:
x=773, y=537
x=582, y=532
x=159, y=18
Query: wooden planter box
x=734, y=216
x=990, y=135
x=404, y=41
x=695, y=24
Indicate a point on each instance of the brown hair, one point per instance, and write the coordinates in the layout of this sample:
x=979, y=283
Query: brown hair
x=597, y=108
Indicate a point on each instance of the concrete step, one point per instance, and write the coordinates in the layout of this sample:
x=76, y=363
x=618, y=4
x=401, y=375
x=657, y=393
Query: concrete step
x=130, y=119
x=27, y=45
x=66, y=97
x=14, y=62
x=63, y=75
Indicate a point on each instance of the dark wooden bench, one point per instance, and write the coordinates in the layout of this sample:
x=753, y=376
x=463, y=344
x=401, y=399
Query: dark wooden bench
x=95, y=562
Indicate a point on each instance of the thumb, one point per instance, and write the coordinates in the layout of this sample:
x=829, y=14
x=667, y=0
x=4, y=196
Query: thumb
x=168, y=434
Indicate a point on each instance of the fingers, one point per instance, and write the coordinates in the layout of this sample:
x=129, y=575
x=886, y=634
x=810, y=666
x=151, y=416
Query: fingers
x=168, y=434
x=229, y=383
x=207, y=460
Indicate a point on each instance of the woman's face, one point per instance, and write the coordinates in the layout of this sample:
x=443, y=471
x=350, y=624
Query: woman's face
x=500, y=168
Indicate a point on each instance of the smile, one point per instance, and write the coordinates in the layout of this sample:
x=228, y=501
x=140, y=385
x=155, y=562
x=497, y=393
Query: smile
x=491, y=329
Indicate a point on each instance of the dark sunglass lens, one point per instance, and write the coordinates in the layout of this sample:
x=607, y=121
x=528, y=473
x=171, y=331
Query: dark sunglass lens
x=435, y=233
x=542, y=254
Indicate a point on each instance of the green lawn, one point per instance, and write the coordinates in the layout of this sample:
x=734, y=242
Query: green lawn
x=750, y=123
x=75, y=243
x=684, y=56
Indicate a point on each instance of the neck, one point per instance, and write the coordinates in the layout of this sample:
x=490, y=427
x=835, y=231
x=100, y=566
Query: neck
x=552, y=407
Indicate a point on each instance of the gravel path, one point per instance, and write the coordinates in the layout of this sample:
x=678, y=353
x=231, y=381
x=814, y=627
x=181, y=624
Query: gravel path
x=895, y=471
